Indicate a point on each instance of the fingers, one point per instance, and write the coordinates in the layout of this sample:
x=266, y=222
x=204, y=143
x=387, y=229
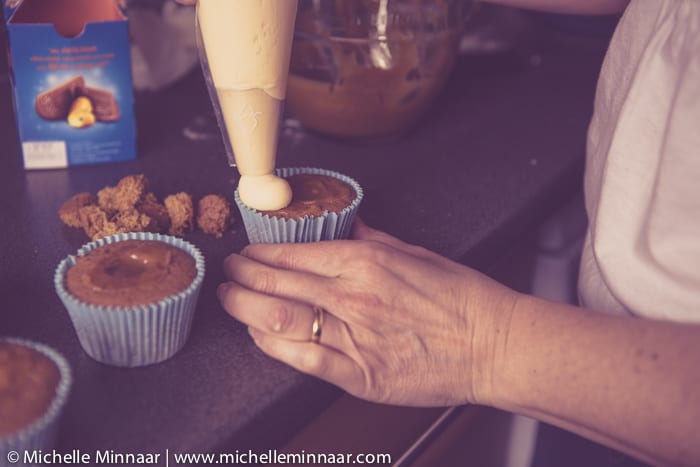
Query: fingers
x=317, y=360
x=328, y=259
x=287, y=319
x=316, y=272
x=321, y=258
x=294, y=285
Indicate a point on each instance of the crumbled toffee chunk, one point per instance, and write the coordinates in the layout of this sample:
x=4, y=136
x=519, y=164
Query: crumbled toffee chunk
x=126, y=195
x=134, y=221
x=130, y=207
x=68, y=212
x=96, y=222
x=181, y=212
x=151, y=207
x=213, y=215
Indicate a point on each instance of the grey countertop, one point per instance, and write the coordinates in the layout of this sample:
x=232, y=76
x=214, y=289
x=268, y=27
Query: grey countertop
x=501, y=149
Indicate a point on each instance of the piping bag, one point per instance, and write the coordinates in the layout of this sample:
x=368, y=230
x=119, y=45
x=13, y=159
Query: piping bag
x=244, y=48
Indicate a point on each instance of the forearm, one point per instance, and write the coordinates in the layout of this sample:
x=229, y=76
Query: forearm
x=585, y=7
x=629, y=383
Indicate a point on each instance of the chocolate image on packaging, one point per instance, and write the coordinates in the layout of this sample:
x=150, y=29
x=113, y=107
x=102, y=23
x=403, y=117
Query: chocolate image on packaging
x=104, y=105
x=77, y=103
x=55, y=103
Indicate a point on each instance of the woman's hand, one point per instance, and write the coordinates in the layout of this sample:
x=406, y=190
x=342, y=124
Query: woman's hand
x=402, y=325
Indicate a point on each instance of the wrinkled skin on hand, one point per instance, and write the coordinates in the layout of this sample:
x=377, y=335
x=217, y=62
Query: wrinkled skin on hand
x=403, y=325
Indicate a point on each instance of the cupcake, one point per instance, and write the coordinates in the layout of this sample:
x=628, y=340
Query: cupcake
x=34, y=384
x=324, y=204
x=131, y=297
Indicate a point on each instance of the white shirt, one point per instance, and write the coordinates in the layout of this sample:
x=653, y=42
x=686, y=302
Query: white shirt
x=642, y=181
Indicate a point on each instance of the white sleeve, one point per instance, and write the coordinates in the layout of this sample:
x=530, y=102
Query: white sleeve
x=644, y=205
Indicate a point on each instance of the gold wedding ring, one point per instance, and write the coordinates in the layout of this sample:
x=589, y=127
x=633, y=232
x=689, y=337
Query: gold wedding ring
x=317, y=325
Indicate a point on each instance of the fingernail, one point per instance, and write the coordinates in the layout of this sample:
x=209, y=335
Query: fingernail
x=254, y=333
x=227, y=261
x=221, y=290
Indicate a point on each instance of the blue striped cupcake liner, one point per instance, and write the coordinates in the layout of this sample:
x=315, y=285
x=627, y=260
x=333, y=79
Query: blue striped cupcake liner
x=41, y=433
x=264, y=228
x=137, y=335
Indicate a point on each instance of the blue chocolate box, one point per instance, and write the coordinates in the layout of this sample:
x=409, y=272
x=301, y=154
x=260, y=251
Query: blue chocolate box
x=71, y=74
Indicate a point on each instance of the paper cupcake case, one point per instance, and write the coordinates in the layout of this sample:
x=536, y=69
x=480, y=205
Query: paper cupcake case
x=41, y=433
x=139, y=335
x=263, y=228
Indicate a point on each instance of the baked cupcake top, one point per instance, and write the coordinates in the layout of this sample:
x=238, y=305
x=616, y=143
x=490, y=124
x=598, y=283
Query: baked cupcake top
x=28, y=383
x=130, y=272
x=315, y=194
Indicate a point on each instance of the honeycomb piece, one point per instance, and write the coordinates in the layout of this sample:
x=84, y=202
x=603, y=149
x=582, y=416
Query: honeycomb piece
x=96, y=222
x=181, y=212
x=213, y=215
x=125, y=196
x=157, y=212
x=68, y=212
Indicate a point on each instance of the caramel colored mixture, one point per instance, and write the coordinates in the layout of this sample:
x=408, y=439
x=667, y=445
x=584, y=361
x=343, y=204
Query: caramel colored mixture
x=28, y=381
x=144, y=263
x=343, y=83
x=132, y=272
x=313, y=195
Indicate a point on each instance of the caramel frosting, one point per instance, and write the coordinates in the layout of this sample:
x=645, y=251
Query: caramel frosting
x=314, y=195
x=131, y=272
x=28, y=382
x=264, y=192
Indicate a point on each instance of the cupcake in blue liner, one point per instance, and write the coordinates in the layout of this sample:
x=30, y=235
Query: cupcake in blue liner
x=132, y=297
x=323, y=207
x=35, y=384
